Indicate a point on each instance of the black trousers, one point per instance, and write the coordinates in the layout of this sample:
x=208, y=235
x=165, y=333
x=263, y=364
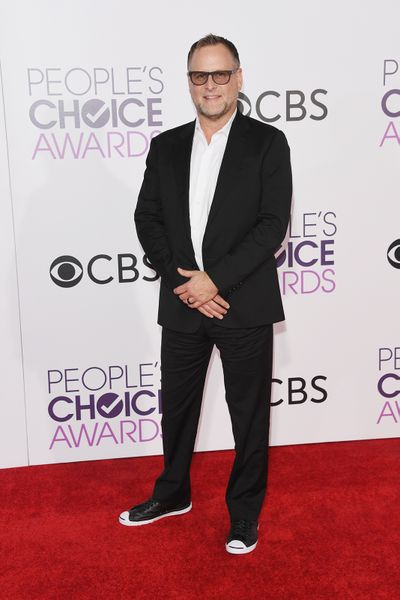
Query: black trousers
x=246, y=356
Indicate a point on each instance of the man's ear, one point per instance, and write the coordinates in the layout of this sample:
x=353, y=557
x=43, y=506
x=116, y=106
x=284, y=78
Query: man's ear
x=240, y=78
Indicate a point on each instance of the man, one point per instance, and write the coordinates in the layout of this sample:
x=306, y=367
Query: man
x=213, y=208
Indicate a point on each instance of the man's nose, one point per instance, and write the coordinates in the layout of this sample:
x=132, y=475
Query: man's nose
x=210, y=83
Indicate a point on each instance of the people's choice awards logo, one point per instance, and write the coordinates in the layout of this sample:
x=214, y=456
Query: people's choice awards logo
x=104, y=405
x=306, y=265
x=393, y=254
x=290, y=105
x=390, y=102
x=105, y=112
x=389, y=385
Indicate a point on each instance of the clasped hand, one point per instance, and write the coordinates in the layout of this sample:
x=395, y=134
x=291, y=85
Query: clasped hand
x=201, y=293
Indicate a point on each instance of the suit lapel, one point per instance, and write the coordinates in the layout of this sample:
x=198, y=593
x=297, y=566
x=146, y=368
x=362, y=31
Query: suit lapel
x=181, y=161
x=233, y=156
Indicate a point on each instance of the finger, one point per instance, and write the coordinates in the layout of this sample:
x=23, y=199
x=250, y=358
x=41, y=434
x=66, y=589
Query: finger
x=185, y=273
x=213, y=311
x=221, y=301
x=180, y=289
x=205, y=312
x=216, y=307
x=190, y=300
x=196, y=304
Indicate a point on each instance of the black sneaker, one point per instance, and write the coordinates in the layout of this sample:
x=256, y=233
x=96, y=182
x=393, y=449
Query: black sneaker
x=242, y=537
x=150, y=511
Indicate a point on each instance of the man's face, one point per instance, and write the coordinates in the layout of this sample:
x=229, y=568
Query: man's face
x=212, y=100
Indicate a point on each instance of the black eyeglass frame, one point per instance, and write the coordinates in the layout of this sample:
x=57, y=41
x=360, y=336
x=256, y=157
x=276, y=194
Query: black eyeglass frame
x=229, y=72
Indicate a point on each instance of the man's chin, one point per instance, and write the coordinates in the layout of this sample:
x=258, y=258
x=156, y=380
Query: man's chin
x=215, y=114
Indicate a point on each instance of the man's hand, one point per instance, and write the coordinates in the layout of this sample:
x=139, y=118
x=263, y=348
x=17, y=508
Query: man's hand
x=198, y=290
x=217, y=307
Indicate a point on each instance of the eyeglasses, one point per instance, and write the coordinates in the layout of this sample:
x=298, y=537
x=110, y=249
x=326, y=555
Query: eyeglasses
x=218, y=77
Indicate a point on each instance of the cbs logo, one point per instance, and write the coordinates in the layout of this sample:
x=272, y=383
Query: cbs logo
x=393, y=254
x=293, y=103
x=67, y=271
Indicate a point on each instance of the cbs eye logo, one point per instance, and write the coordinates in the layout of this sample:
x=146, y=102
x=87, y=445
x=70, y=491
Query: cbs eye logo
x=66, y=271
x=244, y=104
x=393, y=254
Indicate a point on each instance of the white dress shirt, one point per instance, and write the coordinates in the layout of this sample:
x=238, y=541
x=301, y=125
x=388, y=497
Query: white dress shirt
x=205, y=164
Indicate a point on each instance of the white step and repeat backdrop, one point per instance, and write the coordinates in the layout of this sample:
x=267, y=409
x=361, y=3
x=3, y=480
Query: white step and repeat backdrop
x=85, y=86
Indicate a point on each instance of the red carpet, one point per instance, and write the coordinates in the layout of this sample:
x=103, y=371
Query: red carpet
x=330, y=529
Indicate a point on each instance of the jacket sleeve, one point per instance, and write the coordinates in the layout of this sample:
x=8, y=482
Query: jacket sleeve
x=268, y=232
x=150, y=223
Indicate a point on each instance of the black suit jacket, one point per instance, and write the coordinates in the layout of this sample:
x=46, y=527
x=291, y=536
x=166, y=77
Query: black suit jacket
x=247, y=222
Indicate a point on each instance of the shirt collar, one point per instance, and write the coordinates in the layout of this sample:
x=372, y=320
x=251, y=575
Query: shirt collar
x=223, y=131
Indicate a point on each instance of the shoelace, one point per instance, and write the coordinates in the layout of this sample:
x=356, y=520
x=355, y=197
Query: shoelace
x=145, y=505
x=149, y=504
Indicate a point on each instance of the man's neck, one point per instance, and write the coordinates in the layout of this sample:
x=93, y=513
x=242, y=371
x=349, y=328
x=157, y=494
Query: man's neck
x=211, y=126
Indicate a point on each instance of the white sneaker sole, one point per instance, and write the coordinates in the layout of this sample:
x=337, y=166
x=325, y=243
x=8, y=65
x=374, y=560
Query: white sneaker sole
x=124, y=517
x=239, y=547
